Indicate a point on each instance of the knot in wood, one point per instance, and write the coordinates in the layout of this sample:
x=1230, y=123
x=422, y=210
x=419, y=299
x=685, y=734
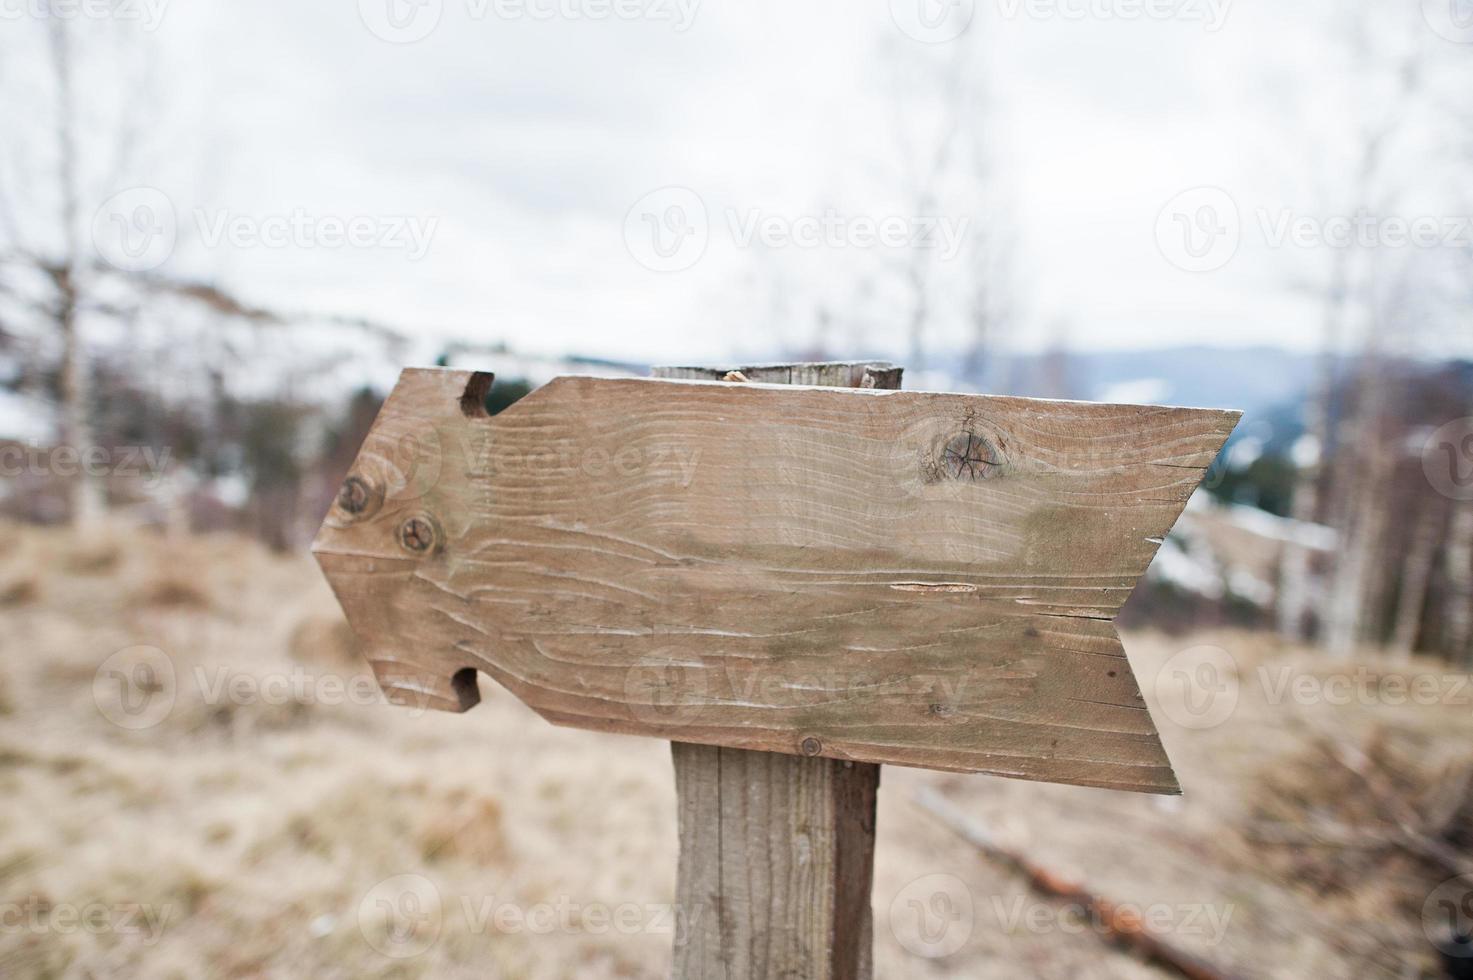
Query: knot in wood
x=968, y=456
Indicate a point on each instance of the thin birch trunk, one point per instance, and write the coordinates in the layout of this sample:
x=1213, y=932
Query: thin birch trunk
x=1458, y=618
x=84, y=501
x=1416, y=576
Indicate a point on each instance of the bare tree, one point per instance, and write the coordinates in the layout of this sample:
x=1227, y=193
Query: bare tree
x=926, y=172
x=948, y=146
x=1458, y=616
x=47, y=245
x=1344, y=284
x=990, y=308
x=1416, y=578
x=66, y=275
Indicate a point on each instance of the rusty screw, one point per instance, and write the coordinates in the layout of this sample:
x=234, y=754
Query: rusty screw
x=812, y=746
x=354, y=495
x=417, y=534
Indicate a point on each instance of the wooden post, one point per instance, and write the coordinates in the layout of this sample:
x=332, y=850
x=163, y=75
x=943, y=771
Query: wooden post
x=777, y=851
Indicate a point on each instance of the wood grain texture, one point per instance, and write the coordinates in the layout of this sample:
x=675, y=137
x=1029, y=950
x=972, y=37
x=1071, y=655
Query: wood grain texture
x=869, y=575
x=777, y=850
x=777, y=854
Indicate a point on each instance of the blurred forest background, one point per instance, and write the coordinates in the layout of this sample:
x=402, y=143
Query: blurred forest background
x=1319, y=521
x=178, y=408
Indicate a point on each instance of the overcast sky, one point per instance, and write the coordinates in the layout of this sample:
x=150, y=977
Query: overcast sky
x=671, y=179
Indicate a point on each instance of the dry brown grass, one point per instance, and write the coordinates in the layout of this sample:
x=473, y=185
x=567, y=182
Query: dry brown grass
x=261, y=824
x=91, y=557
x=173, y=592
x=19, y=591
x=325, y=639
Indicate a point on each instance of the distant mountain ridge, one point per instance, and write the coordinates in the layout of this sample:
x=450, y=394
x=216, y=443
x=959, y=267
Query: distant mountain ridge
x=1254, y=379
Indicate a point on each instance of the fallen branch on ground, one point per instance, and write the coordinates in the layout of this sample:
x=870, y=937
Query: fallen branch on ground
x=1122, y=927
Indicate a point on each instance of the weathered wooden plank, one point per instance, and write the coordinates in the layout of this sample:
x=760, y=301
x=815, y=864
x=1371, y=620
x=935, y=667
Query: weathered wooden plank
x=837, y=374
x=882, y=576
x=777, y=850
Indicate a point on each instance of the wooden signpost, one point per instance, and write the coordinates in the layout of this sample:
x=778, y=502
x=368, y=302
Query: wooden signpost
x=792, y=573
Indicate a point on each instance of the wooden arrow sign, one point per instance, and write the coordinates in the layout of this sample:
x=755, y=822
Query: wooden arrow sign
x=885, y=576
